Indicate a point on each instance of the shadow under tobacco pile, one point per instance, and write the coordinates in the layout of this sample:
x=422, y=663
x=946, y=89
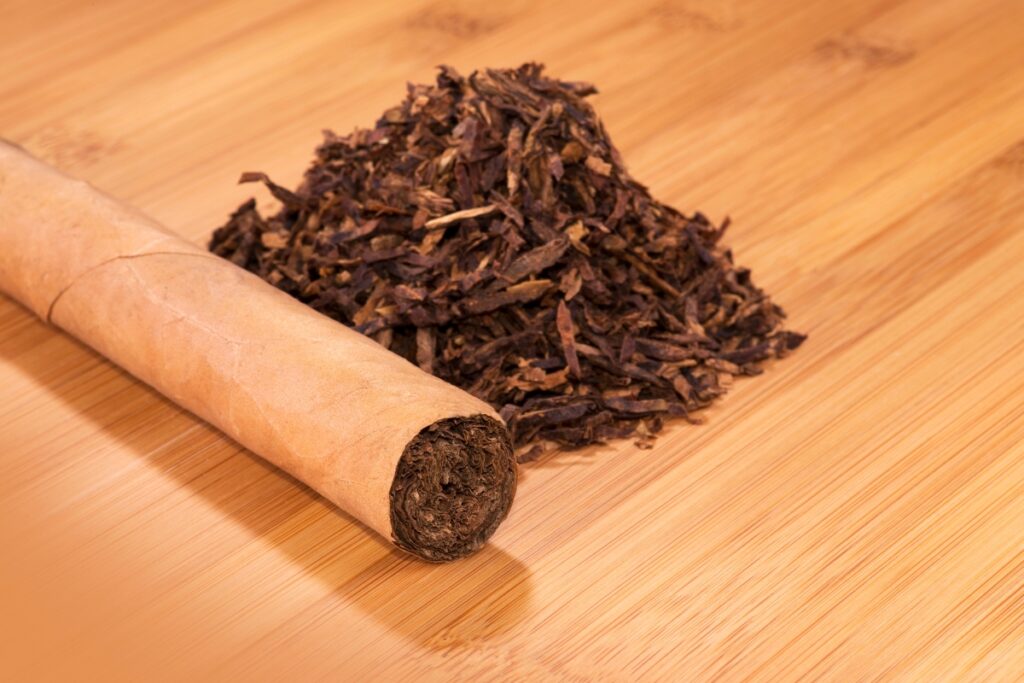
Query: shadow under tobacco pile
x=489, y=591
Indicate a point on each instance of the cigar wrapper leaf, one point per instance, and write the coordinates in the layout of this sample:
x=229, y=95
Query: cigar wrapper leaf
x=421, y=462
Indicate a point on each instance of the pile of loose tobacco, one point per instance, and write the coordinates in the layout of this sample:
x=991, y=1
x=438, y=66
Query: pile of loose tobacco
x=488, y=230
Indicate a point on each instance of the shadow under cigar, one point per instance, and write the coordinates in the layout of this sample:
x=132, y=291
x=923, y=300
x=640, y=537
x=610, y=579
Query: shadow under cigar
x=489, y=591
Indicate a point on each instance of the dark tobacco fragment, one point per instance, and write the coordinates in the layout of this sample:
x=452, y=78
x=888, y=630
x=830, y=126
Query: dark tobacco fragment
x=487, y=230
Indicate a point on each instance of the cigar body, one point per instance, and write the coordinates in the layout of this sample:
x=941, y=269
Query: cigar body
x=319, y=400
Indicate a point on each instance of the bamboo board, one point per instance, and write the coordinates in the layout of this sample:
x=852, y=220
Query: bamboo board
x=855, y=513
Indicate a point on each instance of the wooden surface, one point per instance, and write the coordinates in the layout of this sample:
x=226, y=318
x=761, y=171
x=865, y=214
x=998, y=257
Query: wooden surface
x=856, y=513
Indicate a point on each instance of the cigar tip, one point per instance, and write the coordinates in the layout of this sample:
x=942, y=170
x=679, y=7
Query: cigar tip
x=453, y=486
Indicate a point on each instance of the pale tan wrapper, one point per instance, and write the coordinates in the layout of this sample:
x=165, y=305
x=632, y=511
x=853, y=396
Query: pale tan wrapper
x=319, y=400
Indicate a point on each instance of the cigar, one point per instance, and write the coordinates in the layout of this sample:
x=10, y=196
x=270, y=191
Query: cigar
x=420, y=461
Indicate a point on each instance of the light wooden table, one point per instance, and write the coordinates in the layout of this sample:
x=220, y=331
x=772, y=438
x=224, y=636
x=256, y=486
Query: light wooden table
x=857, y=512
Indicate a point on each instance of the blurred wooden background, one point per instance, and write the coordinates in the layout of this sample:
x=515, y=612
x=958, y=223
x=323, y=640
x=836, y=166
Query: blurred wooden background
x=856, y=513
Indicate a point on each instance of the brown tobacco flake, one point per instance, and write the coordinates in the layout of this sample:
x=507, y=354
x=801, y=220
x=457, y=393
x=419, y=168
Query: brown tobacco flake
x=487, y=230
x=274, y=240
x=465, y=214
x=425, y=349
x=599, y=166
x=521, y=293
x=535, y=260
x=563, y=323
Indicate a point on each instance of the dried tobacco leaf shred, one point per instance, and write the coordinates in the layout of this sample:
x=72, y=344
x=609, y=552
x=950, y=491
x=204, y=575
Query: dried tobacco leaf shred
x=487, y=230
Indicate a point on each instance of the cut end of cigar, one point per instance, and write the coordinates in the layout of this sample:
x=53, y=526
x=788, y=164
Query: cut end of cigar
x=453, y=486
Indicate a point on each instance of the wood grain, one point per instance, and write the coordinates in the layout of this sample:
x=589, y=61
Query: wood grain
x=854, y=514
